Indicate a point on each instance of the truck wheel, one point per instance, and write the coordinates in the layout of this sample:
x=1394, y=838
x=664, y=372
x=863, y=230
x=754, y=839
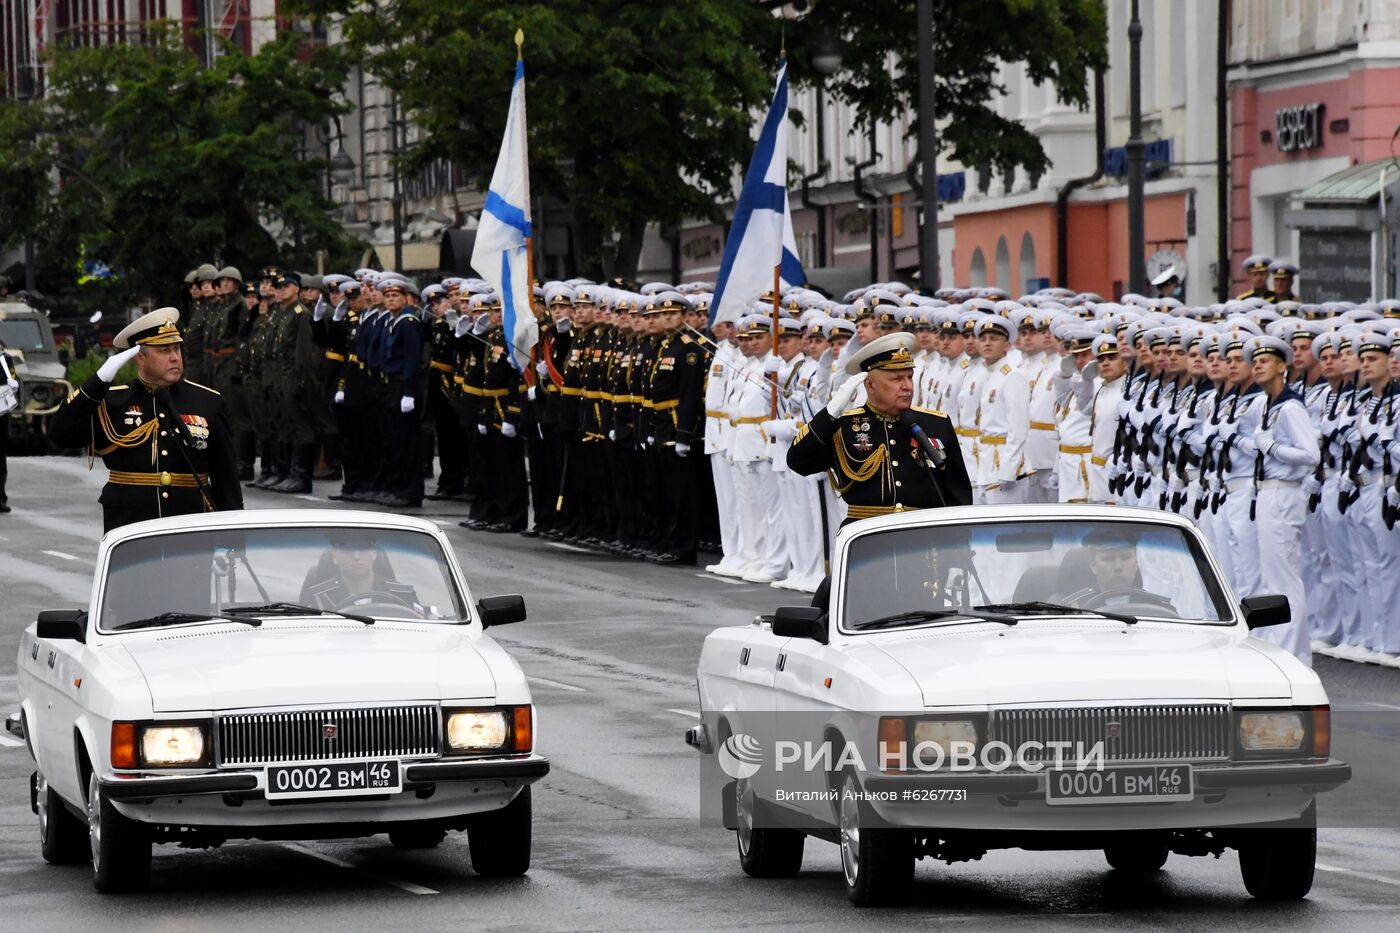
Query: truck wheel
x=121, y=850
x=1277, y=864
x=500, y=840
x=764, y=852
x=878, y=863
x=62, y=836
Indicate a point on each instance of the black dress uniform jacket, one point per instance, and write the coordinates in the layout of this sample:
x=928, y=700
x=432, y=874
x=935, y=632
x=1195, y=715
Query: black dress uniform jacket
x=131, y=430
x=876, y=465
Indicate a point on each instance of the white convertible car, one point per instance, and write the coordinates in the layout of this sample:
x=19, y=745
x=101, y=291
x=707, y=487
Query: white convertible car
x=1041, y=677
x=276, y=675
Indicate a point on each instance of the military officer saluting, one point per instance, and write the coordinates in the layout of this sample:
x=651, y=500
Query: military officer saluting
x=877, y=463
x=167, y=442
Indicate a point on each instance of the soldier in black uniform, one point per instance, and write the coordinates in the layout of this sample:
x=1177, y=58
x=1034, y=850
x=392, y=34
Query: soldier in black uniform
x=1282, y=273
x=167, y=442
x=876, y=463
x=503, y=391
x=403, y=375
x=447, y=427
x=335, y=334
x=676, y=393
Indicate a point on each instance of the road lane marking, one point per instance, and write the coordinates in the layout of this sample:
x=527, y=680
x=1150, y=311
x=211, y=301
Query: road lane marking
x=61, y=555
x=569, y=547
x=312, y=498
x=556, y=684
x=718, y=579
x=10, y=741
x=408, y=886
x=1382, y=705
x=1359, y=874
x=683, y=712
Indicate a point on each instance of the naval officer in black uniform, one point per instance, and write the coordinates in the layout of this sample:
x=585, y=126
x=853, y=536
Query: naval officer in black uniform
x=877, y=464
x=166, y=442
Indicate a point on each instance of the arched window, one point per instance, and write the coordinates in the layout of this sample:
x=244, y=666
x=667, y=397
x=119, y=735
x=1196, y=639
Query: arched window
x=1027, y=264
x=978, y=273
x=1003, y=269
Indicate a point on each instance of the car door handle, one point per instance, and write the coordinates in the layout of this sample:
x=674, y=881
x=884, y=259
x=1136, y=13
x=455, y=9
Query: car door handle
x=782, y=661
x=743, y=656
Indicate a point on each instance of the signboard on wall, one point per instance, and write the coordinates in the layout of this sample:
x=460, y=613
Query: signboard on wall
x=1334, y=265
x=1298, y=128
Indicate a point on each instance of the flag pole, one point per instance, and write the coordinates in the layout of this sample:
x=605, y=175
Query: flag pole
x=529, y=242
x=773, y=394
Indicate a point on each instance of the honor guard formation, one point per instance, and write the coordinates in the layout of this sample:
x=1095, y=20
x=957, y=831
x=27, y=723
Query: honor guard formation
x=642, y=429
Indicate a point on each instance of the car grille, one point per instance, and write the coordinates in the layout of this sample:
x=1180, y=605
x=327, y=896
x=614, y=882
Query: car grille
x=1186, y=732
x=327, y=735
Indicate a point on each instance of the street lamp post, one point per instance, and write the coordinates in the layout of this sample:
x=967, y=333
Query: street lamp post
x=397, y=201
x=25, y=92
x=928, y=155
x=825, y=56
x=1136, y=150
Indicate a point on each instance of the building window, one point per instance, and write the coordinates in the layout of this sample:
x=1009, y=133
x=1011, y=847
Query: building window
x=1003, y=267
x=1027, y=263
x=977, y=273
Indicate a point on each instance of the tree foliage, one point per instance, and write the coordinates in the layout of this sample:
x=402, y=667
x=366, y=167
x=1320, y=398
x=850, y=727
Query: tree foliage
x=141, y=158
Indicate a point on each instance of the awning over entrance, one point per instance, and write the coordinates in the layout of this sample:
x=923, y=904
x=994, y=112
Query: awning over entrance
x=1343, y=248
x=1359, y=184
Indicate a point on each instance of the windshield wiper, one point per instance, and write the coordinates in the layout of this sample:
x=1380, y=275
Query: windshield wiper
x=928, y=615
x=298, y=610
x=1037, y=605
x=180, y=618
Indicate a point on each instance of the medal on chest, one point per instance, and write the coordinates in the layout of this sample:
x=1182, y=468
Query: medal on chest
x=134, y=414
x=862, y=441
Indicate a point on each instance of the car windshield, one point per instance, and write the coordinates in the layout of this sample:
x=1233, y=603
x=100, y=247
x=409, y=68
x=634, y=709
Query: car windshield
x=1120, y=571
x=21, y=334
x=374, y=573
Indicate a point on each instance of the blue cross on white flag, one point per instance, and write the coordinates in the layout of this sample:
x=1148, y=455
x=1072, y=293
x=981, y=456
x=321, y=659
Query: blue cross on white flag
x=499, y=255
x=761, y=235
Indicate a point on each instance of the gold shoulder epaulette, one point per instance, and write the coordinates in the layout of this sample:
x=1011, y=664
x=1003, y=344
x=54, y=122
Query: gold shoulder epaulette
x=122, y=386
x=965, y=364
x=932, y=411
x=852, y=411
x=190, y=382
x=686, y=338
x=1006, y=369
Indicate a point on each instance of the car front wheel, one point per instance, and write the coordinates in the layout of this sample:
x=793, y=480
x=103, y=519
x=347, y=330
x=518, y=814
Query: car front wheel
x=62, y=840
x=500, y=840
x=1277, y=864
x=764, y=852
x=121, y=850
x=878, y=863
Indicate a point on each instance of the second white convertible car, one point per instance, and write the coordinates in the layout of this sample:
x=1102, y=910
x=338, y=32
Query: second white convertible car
x=1042, y=677
x=276, y=675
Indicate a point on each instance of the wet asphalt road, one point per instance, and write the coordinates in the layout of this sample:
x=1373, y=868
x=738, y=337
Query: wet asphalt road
x=610, y=647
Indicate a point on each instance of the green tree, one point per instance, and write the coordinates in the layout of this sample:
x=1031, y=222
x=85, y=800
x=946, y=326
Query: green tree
x=641, y=111
x=139, y=157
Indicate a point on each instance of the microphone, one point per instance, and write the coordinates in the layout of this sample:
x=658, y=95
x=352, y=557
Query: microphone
x=931, y=450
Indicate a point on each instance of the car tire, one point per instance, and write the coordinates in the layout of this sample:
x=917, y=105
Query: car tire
x=878, y=864
x=120, y=847
x=1140, y=855
x=1278, y=864
x=764, y=852
x=417, y=836
x=500, y=840
x=62, y=836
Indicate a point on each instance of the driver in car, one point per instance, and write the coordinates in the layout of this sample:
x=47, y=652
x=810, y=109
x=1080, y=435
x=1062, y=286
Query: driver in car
x=1113, y=560
x=354, y=570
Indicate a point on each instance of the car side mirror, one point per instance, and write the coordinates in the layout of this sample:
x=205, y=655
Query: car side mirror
x=800, y=622
x=1263, y=611
x=501, y=610
x=63, y=624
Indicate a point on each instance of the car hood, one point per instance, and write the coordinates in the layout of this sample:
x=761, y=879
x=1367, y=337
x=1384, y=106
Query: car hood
x=291, y=663
x=1067, y=661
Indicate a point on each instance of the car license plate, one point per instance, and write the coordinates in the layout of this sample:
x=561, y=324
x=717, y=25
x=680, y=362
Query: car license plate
x=333, y=779
x=1136, y=784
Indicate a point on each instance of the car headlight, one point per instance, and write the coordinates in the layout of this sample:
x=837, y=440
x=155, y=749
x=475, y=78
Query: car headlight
x=944, y=732
x=1274, y=731
x=159, y=744
x=498, y=729
x=916, y=742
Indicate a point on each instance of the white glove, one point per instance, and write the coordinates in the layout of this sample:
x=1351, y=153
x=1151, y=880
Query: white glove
x=482, y=325
x=1392, y=497
x=772, y=365
x=612, y=435
x=1067, y=366
x=683, y=450
x=543, y=369
x=462, y=327
x=481, y=429
x=340, y=309
x=1091, y=370
x=1263, y=440
x=319, y=311
x=563, y=325
x=452, y=317
x=1346, y=486
x=651, y=439
x=107, y=372
x=12, y=385
x=1214, y=484
x=340, y=396
x=507, y=429
x=530, y=393
x=841, y=398
x=406, y=404
x=1311, y=486
x=781, y=430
